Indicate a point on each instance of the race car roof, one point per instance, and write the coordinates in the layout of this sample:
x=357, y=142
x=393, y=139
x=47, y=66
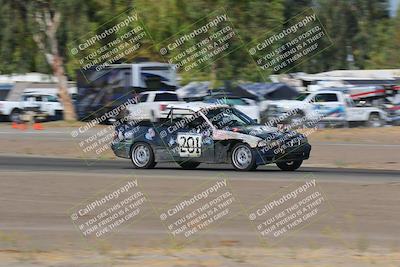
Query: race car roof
x=196, y=106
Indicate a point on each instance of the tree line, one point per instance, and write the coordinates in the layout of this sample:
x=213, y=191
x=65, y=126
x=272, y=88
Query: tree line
x=35, y=34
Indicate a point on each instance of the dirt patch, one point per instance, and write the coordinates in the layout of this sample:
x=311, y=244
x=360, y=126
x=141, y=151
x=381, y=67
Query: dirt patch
x=385, y=135
x=219, y=256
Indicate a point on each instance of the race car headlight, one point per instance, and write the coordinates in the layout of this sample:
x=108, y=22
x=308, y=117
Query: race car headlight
x=262, y=143
x=269, y=145
x=275, y=143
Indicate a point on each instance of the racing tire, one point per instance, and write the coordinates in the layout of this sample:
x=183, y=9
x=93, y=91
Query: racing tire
x=243, y=157
x=289, y=165
x=142, y=156
x=375, y=121
x=15, y=115
x=188, y=165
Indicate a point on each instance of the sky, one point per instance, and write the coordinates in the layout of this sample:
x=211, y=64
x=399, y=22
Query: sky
x=394, y=4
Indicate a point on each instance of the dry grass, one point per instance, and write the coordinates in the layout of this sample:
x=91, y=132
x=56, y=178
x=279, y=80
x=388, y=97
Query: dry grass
x=221, y=256
x=385, y=135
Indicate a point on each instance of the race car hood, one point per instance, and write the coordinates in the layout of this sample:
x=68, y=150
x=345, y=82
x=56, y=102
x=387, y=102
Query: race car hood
x=260, y=131
x=265, y=133
x=252, y=135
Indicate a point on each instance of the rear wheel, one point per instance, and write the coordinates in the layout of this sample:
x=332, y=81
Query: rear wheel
x=289, y=165
x=189, y=165
x=243, y=158
x=142, y=156
x=375, y=121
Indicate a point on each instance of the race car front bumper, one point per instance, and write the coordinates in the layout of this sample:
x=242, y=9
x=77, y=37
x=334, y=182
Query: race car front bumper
x=265, y=156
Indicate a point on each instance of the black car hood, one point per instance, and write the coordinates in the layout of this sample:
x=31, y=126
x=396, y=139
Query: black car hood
x=256, y=130
x=264, y=132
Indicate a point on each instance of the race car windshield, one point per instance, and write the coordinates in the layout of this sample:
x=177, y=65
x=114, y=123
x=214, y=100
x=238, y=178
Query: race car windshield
x=228, y=117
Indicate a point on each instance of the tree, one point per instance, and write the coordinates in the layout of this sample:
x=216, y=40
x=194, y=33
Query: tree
x=48, y=21
x=350, y=24
x=385, y=52
x=360, y=27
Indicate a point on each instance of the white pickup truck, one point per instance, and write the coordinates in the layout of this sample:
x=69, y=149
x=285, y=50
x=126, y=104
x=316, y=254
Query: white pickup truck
x=46, y=104
x=245, y=105
x=152, y=105
x=329, y=106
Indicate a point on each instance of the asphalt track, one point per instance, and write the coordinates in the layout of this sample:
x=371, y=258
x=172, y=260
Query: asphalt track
x=38, y=195
x=122, y=166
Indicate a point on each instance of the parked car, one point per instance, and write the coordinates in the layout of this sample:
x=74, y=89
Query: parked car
x=45, y=103
x=195, y=133
x=245, y=105
x=152, y=105
x=102, y=89
x=393, y=113
x=333, y=107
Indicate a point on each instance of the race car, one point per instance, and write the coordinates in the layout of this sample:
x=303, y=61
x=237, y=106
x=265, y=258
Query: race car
x=195, y=133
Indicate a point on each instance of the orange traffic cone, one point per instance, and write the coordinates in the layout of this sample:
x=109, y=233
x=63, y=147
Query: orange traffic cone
x=14, y=125
x=37, y=126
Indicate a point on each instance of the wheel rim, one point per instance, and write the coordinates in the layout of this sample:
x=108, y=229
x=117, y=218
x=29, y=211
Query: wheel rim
x=375, y=122
x=242, y=157
x=289, y=163
x=14, y=116
x=141, y=155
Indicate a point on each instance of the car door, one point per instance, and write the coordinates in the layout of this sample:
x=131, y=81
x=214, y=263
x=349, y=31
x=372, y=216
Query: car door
x=203, y=131
x=328, y=106
x=50, y=104
x=353, y=113
x=171, y=139
x=31, y=102
x=189, y=138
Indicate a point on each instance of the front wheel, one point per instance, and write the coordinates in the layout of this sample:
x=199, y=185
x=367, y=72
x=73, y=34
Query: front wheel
x=289, y=165
x=189, y=165
x=15, y=115
x=142, y=156
x=243, y=158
